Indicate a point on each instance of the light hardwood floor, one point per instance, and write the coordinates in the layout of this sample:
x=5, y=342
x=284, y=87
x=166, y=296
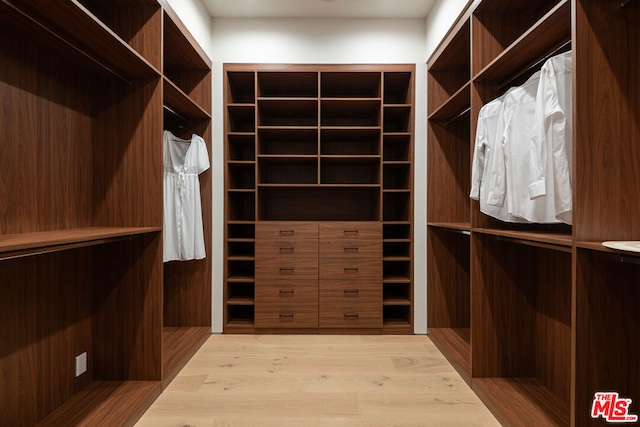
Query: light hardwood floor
x=317, y=381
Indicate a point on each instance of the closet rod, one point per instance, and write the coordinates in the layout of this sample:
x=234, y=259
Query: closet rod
x=457, y=116
x=623, y=3
x=535, y=65
x=50, y=32
x=629, y=259
x=174, y=113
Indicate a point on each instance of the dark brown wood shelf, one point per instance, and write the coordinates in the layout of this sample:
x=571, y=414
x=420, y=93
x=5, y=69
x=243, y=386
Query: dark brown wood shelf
x=72, y=23
x=550, y=31
x=179, y=344
x=180, y=102
x=240, y=301
x=455, y=345
x=457, y=104
x=106, y=403
x=521, y=402
x=397, y=301
x=241, y=279
x=563, y=241
x=15, y=245
x=180, y=48
x=460, y=226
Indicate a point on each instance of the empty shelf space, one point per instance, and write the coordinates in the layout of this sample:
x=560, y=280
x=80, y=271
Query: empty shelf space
x=350, y=84
x=398, y=87
x=181, y=103
x=241, y=118
x=521, y=402
x=287, y=141
x=455, y=345
x=458, y=226
x=562, y=240
x=397, y=118
x=350, y=170
x=241, y=293
x=396, y=148
x=548, y=32
x=241, y=147
x=15, y=245
x=240, y=87
x=123, y=401
x=179, y=344
x=241, y=175
x=288, y=112
x=351, y=112
x=288, y=170
x=282, y=84
x=357, y=142
x=73, y=29
x=456, y=105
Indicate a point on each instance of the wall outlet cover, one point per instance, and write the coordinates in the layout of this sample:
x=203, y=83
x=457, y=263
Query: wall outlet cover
x=81, y=364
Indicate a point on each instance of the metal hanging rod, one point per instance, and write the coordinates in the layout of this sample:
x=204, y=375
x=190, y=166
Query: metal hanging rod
x=174, y=113
x=537, y=64
x=457, y=116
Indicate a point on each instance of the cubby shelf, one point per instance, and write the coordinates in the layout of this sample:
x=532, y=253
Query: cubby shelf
x=320, y=135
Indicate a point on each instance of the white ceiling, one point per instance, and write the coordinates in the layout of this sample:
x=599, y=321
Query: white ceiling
x=318, y=8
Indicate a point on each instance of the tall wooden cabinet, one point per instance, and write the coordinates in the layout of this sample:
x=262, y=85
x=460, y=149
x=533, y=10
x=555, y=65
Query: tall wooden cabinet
x=83, y=85
x=538, y=319
x=311, y=146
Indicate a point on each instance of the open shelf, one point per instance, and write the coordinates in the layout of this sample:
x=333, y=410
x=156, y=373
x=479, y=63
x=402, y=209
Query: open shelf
x=287, y=112
x=550, y=31
x=241, y=87
x=282, y=84
x=179, y=344
x=398, y=87
x=521, y=402
x=350, y=84
x=350, y=112
x=350, y=141
x=562, y=240
x=106, y=403
x=180, y=102
x=25, y=244
x=455, y=345
x=288, y=141
x=456, y=105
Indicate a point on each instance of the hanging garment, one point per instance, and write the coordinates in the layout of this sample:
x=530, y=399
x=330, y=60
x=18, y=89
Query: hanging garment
x=511, y=170
x=552, y=140
x=184, y=160
x=484, y=151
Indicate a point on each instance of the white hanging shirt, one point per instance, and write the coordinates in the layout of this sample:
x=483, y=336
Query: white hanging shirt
x=553, y=138
x=484, y=151
x=511, y=171
x=183, y=160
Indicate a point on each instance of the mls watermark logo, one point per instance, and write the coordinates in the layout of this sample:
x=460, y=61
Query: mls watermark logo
x=613, y=408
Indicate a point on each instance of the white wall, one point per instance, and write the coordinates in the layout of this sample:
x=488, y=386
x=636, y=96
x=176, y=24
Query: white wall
x=442, y=15
x=321, y=41
x=196, y=18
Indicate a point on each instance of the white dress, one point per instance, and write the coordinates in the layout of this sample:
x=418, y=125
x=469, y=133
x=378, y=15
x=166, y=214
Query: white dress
x=183, y=160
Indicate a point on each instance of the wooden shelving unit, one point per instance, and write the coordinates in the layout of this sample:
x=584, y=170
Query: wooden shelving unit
x=81, y=270
x=319, y=143
x=522, y=311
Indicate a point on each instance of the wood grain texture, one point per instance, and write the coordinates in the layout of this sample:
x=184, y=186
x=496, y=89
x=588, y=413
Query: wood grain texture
x=606, y=191
x=302, y=380
x=607, y=325
x=179, y=344
x=455, y=345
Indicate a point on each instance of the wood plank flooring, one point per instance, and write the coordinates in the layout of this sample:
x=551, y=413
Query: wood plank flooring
x=317, y=381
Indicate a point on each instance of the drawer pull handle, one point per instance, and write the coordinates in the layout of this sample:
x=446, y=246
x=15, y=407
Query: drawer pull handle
x=288, y=232
x=351, y=292
x=288, y=269
x=288, y=250
x=351, y=269
x=286, y=291
x=351, y=316
x=350, y=231
x=351, y=249
x=286, y=316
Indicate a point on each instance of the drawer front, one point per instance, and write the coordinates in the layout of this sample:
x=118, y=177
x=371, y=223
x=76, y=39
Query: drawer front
x=286, y=249
x=274, y=293
x=287, y=315
x=292, y=269
x=346, y=292
x=348, y=314
x=351, y=249
x=286, y=231
x=342, y=268
x=351, y=231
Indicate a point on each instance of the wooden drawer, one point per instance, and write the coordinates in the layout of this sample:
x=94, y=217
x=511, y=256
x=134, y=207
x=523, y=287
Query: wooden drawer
x=343, y=268
x=292, y=269
x=286, y=293
x=344, y=291
x=286, y=249
x=351, y=231
x=351, y=249
x=286, y=231
x=348, y=314
x=287, y=315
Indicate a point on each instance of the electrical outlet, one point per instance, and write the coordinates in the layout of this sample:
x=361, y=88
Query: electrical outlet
x=81, y=364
